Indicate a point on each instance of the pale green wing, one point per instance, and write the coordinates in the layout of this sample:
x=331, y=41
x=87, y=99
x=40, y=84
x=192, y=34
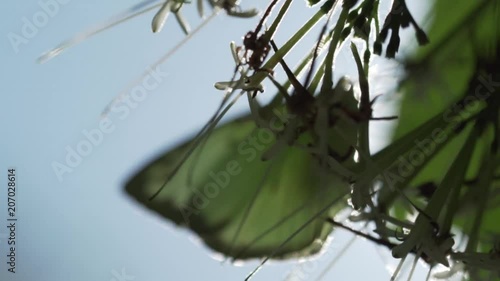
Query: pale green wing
x=238, y=204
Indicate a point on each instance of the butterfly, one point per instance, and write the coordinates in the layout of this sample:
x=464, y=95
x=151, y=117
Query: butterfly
x=261, y=185
x=267, y=183
x=244, y=190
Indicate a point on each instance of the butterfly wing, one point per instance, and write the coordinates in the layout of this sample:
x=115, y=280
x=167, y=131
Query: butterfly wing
x=238, y=204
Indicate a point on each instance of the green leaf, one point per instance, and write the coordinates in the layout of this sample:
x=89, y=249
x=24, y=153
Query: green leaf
x=312, y=2
x=454, y=76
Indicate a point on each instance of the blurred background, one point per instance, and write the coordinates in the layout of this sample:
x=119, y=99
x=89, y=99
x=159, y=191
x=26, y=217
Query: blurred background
x=76, y=223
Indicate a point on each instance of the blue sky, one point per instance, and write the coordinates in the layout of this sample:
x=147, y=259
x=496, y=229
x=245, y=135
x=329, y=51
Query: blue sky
x=79, y=225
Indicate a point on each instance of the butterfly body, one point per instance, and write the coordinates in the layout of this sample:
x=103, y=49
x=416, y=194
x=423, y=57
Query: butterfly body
x=260, y=185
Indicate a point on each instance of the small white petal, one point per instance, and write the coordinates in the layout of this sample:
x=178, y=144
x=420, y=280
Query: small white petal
x=244, y=14
x=200, y=8
x=161, y=17
x=182, y=22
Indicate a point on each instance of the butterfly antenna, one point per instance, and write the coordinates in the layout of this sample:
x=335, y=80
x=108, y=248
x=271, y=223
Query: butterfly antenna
x=317, y=48
x=159, y=62
x=314, y=81
x=133, y=12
